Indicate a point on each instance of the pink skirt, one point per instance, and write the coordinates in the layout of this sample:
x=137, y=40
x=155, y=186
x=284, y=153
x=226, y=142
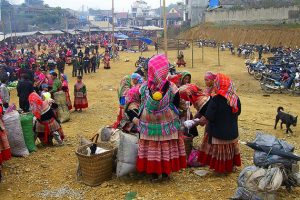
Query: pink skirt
x=157, y=157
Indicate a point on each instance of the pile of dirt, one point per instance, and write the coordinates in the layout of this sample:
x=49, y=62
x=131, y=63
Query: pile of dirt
x=273, y=35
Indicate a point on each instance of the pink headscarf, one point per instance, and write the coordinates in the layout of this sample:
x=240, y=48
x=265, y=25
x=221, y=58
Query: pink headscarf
x=157, y=72
x=133, y=95
x=210, y=76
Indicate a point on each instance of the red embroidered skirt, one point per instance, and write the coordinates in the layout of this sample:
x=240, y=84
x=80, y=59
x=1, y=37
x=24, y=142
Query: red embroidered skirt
x=46, y=128
x=157, y=157
x=80, y=102
x=4, y=147
x=221, y=155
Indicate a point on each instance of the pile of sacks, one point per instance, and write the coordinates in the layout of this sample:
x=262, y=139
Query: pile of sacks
x=19, y=130
x=127, y=145
x=260, y=182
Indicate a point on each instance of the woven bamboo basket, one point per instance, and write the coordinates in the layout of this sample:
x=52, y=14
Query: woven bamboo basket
x=188, y=143
x=95, y=169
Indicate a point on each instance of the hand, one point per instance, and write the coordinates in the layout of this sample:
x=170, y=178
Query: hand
x=136, y=121
x=189, y=124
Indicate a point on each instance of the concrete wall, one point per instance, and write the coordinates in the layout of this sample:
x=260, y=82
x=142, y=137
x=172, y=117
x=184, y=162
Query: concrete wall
x=196, y=10
x=253, y=15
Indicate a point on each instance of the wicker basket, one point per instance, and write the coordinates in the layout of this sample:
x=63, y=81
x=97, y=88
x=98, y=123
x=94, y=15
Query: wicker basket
x=188, y=143
x=94, y=170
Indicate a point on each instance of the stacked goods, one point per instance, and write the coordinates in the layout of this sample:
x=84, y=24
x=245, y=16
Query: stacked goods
x=127, y=154
x=14, y=133
x=27, y=127
x=63, y=110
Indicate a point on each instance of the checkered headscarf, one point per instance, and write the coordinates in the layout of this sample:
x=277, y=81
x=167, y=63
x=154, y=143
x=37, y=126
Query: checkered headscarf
x=225, y=87
x=158, y=69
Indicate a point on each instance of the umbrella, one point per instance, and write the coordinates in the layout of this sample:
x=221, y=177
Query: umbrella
x=146, y=40
x=270, y=150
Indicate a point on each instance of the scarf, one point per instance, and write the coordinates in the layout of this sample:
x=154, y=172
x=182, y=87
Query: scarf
x=193, y=94
x=157, y=72
x=138, y=77
x=225, y=87
x=133, y=95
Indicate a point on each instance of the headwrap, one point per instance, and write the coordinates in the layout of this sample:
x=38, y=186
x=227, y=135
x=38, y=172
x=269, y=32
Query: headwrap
x=138, y=77
x=64, y=76
x=125, y=85
x=158, y=69
x=51, y=71
x=210, y=76
x=133, y=95
x=37, y=105
x=184, y=74
x=193, y=94
x=225, y=87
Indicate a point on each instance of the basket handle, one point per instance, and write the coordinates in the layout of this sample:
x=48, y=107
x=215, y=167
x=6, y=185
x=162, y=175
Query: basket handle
x=95, y=136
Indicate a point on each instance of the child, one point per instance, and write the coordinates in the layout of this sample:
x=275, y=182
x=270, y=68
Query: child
x=46, y=96
x=106, y=60
x=80, y=101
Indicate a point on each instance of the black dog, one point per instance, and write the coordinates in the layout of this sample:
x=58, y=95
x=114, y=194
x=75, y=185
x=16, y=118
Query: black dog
x=286, y=119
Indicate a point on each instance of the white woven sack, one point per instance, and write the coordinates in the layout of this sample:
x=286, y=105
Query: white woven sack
x=127, y=154
x=15, y=134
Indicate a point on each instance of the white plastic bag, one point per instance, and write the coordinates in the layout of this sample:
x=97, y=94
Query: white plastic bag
x=15, y=134
x=127, y=154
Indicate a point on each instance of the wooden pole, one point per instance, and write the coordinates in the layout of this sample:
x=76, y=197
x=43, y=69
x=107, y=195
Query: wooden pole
x=113, y=27
x=202, y=53
x=177, y=47
x=165, y=29
x=9, y=18
x=218, y=54
x=192, y=53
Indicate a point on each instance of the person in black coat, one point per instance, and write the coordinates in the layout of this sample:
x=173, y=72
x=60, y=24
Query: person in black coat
x=220, y=149
x=24, y=89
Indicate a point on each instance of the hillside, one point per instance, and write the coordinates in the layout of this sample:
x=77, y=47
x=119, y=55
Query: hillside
x=286, y=35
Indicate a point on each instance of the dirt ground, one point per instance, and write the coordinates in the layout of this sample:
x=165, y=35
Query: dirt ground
x=50, y=173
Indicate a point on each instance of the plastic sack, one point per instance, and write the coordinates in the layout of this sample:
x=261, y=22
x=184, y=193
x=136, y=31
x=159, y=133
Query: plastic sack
x=27, y=128
x=256, y=183
x=63, y=110
x=262, y=159
x=127, y=154
x=271, y=141
x=14, y=134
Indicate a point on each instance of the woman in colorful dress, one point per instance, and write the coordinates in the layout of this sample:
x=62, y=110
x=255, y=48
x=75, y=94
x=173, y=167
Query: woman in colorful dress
x=161, y=148
x=4, y=145
x=46, y=126
x=124, y=87
x=131, y=110
x=106, y=60
x=65, y=88
x=80, y=93
x=181, y=78
x=220, y=149
x=209, y=79
x=180, y=59
x=192, y=94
